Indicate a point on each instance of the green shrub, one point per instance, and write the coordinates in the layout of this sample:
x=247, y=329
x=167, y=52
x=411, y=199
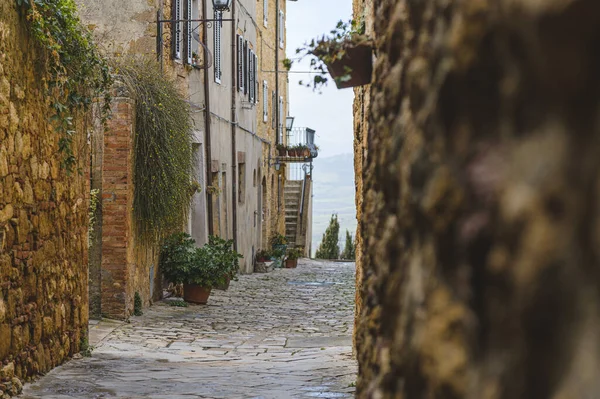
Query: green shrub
x=293, y=254
x=137, y=304
x=208, y=266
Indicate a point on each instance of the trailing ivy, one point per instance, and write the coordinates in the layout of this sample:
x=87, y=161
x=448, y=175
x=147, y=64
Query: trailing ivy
x=164, y=164
x=78, y=73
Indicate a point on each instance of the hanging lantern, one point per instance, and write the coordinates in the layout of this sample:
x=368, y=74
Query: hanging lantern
x=221, y=5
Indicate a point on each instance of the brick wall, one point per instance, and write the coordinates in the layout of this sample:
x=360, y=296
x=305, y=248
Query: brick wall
x=43, y=220
x=480, y=206
x=127, y=264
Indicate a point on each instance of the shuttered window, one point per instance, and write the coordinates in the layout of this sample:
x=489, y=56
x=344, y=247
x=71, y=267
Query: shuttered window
x=240, y=62
x=176, y=27
x=256, y=85
x=217, y=50
x=246, y=66
x=188, y=31
x=281, y=29
x=265, y=12
x=265, y=102
x=281, y=119
x=251, y=85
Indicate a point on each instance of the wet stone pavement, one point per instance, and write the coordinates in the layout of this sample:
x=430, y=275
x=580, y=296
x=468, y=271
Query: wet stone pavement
x=284, y=334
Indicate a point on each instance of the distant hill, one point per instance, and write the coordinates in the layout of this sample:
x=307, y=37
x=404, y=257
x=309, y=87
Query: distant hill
x=333, y=192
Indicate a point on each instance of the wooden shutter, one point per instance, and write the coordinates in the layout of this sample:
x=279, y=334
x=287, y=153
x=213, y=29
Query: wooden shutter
x=251, y=76
x=256, y=85
x=265, y=101
x=217, y=49
x=176, y=28
x=245, y=66
x=281, y=29
x=188, y=32
x=240, y=62
x=265, y=12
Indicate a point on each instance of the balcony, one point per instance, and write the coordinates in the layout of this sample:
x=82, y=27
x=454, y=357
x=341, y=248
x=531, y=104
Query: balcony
x=300, y=147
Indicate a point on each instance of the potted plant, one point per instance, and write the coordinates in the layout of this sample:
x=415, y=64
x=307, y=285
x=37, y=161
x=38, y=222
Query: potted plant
x=279, y=246
x=221, y=252
x=282, y=150
x=305, y=151
x=292, y=151
x=291, y=261
x=263, y=256
x=198, y=269
x=346, y=55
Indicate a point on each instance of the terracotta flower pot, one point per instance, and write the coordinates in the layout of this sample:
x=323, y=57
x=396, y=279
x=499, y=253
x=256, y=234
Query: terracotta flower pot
x=357, y=57
x=306, y=152
x=194, y=293
x=291, y=263
x=292, y=153
x=282, y=152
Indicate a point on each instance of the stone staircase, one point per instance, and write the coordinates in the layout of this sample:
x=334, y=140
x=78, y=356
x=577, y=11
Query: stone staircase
x=292, y=193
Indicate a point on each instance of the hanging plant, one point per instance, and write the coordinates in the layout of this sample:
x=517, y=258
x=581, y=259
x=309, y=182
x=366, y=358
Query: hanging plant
x=164, y=163
x=78, y=74
x=345, y=54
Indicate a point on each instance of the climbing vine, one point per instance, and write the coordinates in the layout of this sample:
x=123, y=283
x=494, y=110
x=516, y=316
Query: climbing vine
x=164, y=163
x=78, y=73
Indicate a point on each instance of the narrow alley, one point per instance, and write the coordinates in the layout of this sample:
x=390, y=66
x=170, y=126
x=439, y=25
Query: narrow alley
x=285, y=334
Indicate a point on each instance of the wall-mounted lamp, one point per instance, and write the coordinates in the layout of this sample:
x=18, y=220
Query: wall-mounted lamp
x=289, y=123
x=221, y=5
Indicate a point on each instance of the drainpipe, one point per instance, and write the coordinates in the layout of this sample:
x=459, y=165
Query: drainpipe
x=277, y=40
x=207, y=117
x=233, y=125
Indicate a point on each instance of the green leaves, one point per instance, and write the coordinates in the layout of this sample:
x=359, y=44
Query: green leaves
x=329, y=248
x=164, y=162
x=208, y=266
x=78, y=73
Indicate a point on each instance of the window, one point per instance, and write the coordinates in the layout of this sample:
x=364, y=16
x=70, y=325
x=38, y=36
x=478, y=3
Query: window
x=281, y=29
x=246, y=66
x=240, y=62
x=265, y=102
x=217, y=50
x=177, y=29
x=191, y=45
x=281, y=119
x=256, y=88
x=251, y=85
x=265, y=12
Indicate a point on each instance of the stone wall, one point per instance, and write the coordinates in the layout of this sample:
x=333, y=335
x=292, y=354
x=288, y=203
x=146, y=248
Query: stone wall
x=482, y=193
x=43, y=219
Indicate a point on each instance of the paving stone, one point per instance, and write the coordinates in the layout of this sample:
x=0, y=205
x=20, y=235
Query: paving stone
x=285, y=334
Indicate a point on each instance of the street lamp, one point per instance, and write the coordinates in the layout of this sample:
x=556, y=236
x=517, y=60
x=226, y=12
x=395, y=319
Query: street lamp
x=289, y=123
x=221, y=5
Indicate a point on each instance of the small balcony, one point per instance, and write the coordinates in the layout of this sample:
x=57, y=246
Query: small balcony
x=300, y=146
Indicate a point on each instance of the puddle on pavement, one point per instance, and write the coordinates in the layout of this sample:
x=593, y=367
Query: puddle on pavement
x=312, y=283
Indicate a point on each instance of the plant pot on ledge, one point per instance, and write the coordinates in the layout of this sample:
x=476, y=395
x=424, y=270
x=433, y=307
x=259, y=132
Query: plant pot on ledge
x=352, y=66
x=194, y=293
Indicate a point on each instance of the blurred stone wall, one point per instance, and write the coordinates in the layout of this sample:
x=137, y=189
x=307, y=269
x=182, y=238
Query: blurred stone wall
x=481, y=205
x=43, y=219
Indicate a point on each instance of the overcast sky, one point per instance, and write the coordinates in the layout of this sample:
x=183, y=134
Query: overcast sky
x=330, y=113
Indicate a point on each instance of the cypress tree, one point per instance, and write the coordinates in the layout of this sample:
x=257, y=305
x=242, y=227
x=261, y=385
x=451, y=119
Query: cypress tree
x=349, y=250
x=329, y=248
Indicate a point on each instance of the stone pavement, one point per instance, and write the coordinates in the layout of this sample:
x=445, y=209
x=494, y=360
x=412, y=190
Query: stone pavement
x=285, y=334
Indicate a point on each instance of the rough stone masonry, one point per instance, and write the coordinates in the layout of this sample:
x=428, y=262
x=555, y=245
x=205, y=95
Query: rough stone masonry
x=43, y=220
x=481, y=203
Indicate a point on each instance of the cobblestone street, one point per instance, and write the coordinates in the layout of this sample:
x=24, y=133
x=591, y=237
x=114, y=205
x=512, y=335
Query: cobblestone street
x=285, y=334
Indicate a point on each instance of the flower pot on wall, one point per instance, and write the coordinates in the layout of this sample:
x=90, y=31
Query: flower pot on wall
x=194, y=293
x=355, y=66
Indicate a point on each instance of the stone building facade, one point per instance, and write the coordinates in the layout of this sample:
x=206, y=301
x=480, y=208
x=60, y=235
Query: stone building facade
x=480, y=188
x=221, y=68
x=43, y=219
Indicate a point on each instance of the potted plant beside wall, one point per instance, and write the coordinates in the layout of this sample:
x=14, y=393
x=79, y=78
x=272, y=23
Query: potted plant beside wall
x=221, y=252
x=291, y=261
x=346, y=54
x=198, y=269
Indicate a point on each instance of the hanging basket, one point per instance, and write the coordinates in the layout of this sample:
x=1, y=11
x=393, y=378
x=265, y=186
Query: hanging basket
x=355, y=67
